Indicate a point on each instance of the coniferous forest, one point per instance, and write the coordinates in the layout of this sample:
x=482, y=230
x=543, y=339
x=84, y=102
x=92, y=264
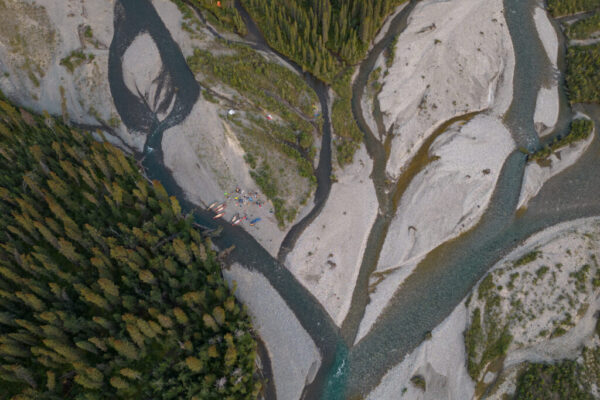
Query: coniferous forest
x=323, y=36
x=106, y=289
x=583, y=73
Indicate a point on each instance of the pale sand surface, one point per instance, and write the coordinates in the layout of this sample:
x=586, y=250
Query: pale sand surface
x=567, y=346
x=547, y=105
x=564, y=249
x=451, y=193
x=51, y=29
x=547, y=34
x=295, y=359
x=366, y=103
x=207, y=161
x=546, y=109
x=172, y=18
x=584, y=42
x=445, y=199
x=142, y=66
x=439, y=360
x=454, y=57
x=328, y=255
x=538, y=304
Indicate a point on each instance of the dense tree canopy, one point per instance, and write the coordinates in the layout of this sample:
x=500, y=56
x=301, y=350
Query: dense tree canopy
x=584, y=28
x=566, y=7
x=583, y=73
x=561, y=381
x=322, y=36
x=106, y=289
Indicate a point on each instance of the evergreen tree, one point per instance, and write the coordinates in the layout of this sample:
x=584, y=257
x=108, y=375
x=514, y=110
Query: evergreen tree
x=105, y=287
x=294, y=25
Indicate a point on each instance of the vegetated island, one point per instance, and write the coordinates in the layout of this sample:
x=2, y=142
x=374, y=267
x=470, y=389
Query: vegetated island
x=107, y=289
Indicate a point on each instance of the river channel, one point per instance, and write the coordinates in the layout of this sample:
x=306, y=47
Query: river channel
x=447, y=274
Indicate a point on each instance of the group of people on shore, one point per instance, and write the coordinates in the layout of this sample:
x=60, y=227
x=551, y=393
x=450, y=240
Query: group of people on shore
x=242, y=199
